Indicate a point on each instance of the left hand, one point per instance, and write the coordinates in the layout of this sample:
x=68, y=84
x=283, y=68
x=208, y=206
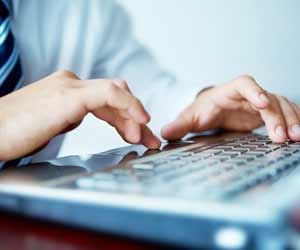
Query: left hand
x=240, y=105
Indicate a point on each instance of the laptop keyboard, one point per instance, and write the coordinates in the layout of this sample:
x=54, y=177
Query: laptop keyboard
x=222, y=171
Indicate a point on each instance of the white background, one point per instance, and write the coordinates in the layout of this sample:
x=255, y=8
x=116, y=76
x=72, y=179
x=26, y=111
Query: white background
x=213, y=41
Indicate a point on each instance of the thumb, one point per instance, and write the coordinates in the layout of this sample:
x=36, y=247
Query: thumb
x=178, y=128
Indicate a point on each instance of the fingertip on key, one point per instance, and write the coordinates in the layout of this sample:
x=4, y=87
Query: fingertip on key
x=294, y=132
x=281, y=135
x=155, y=144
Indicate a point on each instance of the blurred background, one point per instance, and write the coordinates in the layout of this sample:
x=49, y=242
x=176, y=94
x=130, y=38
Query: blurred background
x=213, y=41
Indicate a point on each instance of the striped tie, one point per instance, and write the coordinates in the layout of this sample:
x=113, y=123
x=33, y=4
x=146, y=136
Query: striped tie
x=10, y=66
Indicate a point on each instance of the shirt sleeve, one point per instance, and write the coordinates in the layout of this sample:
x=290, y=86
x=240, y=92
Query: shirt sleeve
x=122, y=56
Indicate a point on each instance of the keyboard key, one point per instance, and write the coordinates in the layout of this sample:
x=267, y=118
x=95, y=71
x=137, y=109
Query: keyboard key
x=134, y=187
x=106, y=185
x=223, y=148
x=165, y=168
x=244, y=158
x=221, y=158
x=122, y=171
x=249, y=147
x=103, y=176
x=229, y=154
x=143, y=166
x=237, y=162
x=239, y=150
x=234, y=144
x=184, y=154
x=292, y=146
x=258, y=143
x=254, y=154
x=85, y=183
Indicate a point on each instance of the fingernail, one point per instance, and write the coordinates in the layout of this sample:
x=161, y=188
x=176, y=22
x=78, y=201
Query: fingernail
x=295, y=129
x=155, y=143
x=280, y=131
x=264, y=98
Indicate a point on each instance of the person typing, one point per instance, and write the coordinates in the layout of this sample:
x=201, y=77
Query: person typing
x=103, y=70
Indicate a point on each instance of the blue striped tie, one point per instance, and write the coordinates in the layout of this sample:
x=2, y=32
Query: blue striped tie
x=10, y=66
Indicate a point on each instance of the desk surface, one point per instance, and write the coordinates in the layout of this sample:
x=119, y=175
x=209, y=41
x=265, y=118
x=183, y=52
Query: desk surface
x=19, y=233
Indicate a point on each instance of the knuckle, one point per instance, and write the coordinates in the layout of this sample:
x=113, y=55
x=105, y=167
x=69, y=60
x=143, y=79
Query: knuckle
x=110, y=91
x=136, y=102
x=249, y=81
x=246, y=78
x=111, y=88
x=66, y=79
x=273, y=97
x=65, y=73
x=283, y=101
x=296, y=106
x=277, y=98
x=284, y=98
x=122, y=83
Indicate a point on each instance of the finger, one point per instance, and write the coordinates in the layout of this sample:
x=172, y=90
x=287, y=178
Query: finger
x=274, y=120
x=294, y=123
x=118, y=98
x=129, y=157
x=180, y=127
x=246, y=87
x=296, y=109
x=122, y=84
x=148, y=139
x=100, y=93
x=71, y=127
x=291, y=118
x=129, y=130
x=37, y=150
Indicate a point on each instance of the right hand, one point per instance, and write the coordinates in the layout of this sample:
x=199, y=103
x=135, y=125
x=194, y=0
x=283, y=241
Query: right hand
x=33, y=115
x=239, y=105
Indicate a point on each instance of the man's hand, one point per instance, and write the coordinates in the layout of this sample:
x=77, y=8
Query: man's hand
x=33, y=115
x=240, y=105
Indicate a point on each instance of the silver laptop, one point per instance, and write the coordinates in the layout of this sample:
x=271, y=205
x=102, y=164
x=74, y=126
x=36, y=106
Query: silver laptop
x=227, y=191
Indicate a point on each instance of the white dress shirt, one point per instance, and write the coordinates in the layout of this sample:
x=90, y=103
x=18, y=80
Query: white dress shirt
x=93, y=39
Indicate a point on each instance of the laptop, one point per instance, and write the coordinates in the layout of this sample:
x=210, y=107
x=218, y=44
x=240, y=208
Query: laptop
x=222, y=191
